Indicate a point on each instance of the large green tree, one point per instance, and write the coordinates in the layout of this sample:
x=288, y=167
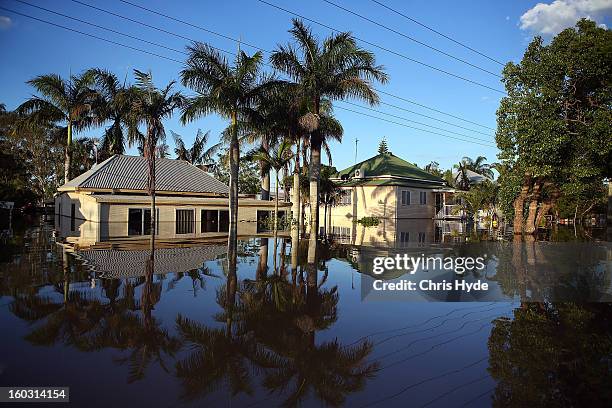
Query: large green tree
x=198, y=153
x=113, y=105
x=230, y=91
x=150, y=106
x=553, y=128
x=335, y=69
x=64, y=103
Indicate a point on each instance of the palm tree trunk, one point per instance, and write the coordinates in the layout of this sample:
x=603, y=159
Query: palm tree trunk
x=234, y=157
x=276, y=207
x=325, y=215
x=265, y=173
x=296, y=218
x=150, y=157
x=68, y=157
x=315, y=174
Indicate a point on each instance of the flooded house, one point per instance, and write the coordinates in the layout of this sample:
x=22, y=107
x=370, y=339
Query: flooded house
x=388, y=188
x=110, y=202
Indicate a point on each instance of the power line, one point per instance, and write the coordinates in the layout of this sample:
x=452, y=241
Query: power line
x=412, y=127
x=410, y=38
x=181, y=62
x=437, y=32
x=102, y=28
x=193, y=25
x=432, y=118
x=89, y=35
x=145, y=24
x=414, y=121
x=384, y=48
x=429, y=108
x=260, y=48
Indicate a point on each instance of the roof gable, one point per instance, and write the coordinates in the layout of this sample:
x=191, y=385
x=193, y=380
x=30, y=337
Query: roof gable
x=122, y=172
x=387, y=164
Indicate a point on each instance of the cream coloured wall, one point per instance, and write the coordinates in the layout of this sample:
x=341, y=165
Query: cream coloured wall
x=383, y=202
x=86, y=208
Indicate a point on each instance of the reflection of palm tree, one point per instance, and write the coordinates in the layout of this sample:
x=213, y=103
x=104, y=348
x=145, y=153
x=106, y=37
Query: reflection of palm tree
x=196, y=276
x=218, y=354
x=284, y=318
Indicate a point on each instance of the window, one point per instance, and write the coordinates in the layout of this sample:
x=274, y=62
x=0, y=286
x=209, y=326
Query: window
x=209, y=221
x=345, y=198
x=404, y=236
x=405, y=197
x=72, y=216
x=223, y=221
x=423, y=197
x=135, y=221
x=421, y=237
x=265, y=222
x=139, y=221
x=342, y=232
x=185, y=220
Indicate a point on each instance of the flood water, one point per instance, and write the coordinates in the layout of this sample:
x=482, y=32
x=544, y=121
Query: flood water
x=282, y=332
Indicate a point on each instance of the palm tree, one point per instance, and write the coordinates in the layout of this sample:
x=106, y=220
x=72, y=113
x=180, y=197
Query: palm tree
x=478, y=166
x=461, y=179
x=278, y=158
x=336, y=69
x=151, y=106
x=330, y=193
x=197, y=154
x=231, y=91
x=113, y=105
x=62, y=102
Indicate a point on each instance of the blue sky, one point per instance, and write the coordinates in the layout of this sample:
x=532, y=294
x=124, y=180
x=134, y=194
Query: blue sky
x=499, y=29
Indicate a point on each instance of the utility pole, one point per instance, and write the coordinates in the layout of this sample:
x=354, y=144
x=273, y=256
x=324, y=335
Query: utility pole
x=356, y=141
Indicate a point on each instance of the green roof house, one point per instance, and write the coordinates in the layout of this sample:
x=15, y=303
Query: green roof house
x=387, y=187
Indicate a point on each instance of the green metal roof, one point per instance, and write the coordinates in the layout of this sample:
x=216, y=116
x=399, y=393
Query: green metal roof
x=389, y=165
x=389, y=182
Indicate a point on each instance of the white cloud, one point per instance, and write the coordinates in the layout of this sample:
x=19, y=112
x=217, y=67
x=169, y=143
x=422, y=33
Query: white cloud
x=5, y=22
x=550, y=19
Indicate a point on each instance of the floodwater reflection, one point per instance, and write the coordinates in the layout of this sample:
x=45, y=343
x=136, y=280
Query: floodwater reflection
x=280, y=322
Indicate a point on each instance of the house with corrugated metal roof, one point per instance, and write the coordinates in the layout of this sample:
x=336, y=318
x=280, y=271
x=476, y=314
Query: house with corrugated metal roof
x=110, y=202
x=386, y=187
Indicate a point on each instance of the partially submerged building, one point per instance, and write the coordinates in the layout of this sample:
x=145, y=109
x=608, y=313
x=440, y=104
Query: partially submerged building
x=110, y=202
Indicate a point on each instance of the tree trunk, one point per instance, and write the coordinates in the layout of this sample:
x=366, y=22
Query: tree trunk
x=265, y=173
x=325, y=215
x=262, y=266
x=547, y=205
x=315, y=174
x=276, y=208
x=68, y=157
x=234, y=157
x=530, y=225
x=519, y=203
x=296, y=218
x=149, y=152
x=609, y=217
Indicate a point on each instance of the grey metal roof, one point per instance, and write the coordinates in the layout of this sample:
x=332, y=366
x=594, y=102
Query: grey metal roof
x=119, y=264
x=130, y=173
x=473, y=177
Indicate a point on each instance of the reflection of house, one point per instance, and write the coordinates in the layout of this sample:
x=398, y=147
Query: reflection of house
x=110, y=201
x=132, y=263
